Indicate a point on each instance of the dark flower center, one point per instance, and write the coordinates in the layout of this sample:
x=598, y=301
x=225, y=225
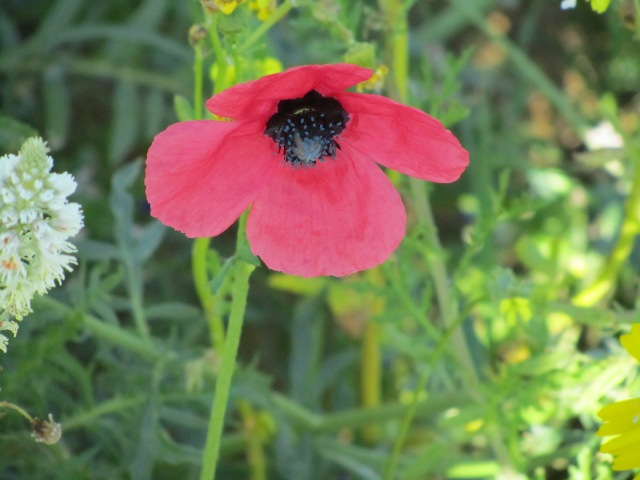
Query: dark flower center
x=306, y=128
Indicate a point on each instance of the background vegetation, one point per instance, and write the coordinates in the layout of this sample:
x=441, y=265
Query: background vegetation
x=480, y=350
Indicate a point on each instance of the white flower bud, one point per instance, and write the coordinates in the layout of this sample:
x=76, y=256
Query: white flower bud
x=7, y=196
x=68, y=219
x=46, y=196
x=28, y=215
x=62, y=183
x=9, y=217
x=23, y=192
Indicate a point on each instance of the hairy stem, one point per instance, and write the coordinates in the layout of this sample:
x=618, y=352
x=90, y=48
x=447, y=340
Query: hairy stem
x=211, y=452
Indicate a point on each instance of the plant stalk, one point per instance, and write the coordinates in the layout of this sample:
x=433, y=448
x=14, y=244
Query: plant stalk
x=211, y=452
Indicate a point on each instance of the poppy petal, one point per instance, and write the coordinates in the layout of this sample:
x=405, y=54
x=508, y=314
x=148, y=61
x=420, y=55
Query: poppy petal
x=259, y=98
x=201, y=175
x=337, y=218
x=402, y=138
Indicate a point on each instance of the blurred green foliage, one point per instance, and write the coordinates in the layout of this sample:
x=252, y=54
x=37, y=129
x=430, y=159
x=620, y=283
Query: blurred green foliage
x=121, y=354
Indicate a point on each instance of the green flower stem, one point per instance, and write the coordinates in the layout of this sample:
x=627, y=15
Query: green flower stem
x=357, y=417
x=18, y=409
x=237, y=62
x=226, y=343
x=230, y=444
x=300, y=416
x=408, y=302
x=605, y=282
x=197, y=80
x=405, y=425
x=397, y=43
x=277, y=15
x=450, y=317
x=400, y=50
x=201, y=279
x=112, y=333
x=636, y=5
x=242, y=272
x=122, y=337
x=397, y=48
x=370, y=376
x=220, y=82
x=313, y=422
x=527, y=69
x=435, y=256
x=117, y=405
x=256, y=457
x=412, y=411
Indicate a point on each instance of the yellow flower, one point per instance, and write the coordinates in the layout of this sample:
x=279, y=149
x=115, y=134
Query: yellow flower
x=263, y=8
x=376, y=82
x=623, y=418
x=631, y=341
x=225, y=6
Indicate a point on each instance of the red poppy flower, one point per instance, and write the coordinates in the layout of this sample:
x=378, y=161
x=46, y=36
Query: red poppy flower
x=302, y=153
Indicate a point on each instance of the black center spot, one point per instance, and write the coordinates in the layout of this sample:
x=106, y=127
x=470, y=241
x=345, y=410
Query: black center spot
x=306, y=128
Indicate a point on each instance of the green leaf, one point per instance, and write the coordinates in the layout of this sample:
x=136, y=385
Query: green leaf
x=58, y=18
x=154, y=112
x=96, y=250
x=172, y=310
x=9, y=36
x=141, y=466
x=364, y=464
x=121, y=202
x=479, y=469
x=149, y=241
x=183, y=108
x=307, y=332
x=125, y=126
x=13, y=133
x=57, y=106
x=298, y=285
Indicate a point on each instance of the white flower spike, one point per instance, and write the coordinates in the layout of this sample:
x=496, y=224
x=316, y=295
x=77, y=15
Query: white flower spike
x=35, y=222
